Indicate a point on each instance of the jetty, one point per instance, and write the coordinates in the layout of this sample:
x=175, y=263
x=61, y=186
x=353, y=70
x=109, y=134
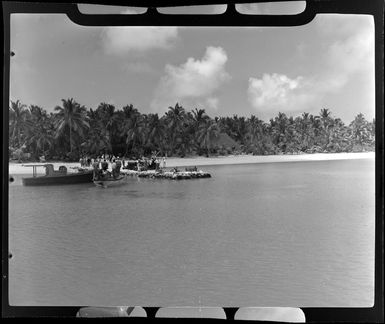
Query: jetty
x=171, y=175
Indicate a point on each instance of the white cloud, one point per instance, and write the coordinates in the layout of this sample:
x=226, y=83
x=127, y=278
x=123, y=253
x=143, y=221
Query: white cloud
x=272, y=88
x=349, y=55
x=353, y=50
x=194, y=81
x=278, y=92
x=349, y=59
x=121, y=40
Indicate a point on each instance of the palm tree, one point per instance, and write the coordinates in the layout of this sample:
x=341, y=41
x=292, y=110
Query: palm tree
x=108, y=120
x=96, y=141
x=129, y=110
x=239, y=128
x=255, y=135
x=39, y=133
x=175, y=118
x=133, y=129
x=155, y=132
x=208, y=132
x=41, y=137
x=322, y=126
x=18, y=117
x=372, y=128
x=199, y=116
x=178, y=131
x=279, y=126
x=304, y=131
x=71, y=116
x=325, y=113
x=360, y=129
x=255, y=128
x=226, y=125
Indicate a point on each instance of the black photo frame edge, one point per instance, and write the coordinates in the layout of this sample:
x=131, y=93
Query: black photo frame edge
x=374, y=8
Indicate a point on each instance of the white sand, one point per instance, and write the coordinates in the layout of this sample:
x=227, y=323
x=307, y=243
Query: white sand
x=244, y=159
x=19, y=168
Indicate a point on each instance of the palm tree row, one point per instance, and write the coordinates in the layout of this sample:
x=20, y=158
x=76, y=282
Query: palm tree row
x=72, y=130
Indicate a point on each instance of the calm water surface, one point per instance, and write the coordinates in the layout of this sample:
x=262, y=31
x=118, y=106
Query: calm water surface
x=274, y=234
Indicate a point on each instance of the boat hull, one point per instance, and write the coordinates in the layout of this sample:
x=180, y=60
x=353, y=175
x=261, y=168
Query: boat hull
x=109, y=183
x=81, y=177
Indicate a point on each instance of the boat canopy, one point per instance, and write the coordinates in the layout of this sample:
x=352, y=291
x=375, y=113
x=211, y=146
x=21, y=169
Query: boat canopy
x=49, y=169
x=34, y=166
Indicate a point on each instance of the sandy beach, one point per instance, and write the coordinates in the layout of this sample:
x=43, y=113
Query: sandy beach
x=19, y=168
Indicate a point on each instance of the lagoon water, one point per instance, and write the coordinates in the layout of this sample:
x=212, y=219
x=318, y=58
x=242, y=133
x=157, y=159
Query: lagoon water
x=271, y=234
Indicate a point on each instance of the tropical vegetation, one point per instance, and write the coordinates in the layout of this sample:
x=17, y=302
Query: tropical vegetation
x=72, y=130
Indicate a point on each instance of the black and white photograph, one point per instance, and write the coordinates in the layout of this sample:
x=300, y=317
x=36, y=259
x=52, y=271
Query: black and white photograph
x=192, y=167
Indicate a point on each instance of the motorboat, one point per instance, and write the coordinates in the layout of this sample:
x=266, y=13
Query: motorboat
x=56, y=177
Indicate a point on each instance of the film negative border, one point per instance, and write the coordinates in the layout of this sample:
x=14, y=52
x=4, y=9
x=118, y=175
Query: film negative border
x=229, y=18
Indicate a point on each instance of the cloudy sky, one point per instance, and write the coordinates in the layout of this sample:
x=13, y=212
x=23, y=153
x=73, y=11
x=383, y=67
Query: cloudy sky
x=328, y=63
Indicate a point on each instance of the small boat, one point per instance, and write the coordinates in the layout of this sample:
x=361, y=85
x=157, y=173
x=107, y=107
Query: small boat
x=110, y=181
x=56, y=177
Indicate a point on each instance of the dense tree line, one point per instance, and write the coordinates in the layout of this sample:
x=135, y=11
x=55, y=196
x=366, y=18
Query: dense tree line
x=72, y=130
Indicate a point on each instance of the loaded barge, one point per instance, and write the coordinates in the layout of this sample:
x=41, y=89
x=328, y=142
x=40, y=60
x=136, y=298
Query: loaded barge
x=171, y=175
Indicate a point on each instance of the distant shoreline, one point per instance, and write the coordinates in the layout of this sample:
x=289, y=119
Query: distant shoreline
x=18, y=168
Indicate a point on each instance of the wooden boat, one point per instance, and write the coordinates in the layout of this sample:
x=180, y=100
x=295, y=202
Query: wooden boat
x=110, y=181
x=56, y=177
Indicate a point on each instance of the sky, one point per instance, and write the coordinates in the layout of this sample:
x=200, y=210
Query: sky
x=328, y=63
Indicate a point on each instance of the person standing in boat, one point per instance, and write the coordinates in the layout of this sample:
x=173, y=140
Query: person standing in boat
x=157, y=164
x=96, y=171
x=105, y=172
x=113, y=168
x=118, y=165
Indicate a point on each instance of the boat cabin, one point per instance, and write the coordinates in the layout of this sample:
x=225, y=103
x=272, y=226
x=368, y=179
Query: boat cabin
x=49, y=170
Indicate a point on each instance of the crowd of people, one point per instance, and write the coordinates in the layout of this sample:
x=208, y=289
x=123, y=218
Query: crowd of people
x=87, y=161
x=101, y=171
x=101, y=165
x=154, y=162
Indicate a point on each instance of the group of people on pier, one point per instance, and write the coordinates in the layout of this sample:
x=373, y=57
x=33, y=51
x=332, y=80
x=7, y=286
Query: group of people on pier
x=150, y=164
x=101, y=165
x=140, y=163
